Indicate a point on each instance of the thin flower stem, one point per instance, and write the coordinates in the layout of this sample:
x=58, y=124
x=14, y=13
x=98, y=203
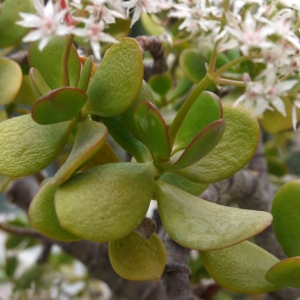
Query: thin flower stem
x=65, y=60
x=229, y=65
x=229, y=82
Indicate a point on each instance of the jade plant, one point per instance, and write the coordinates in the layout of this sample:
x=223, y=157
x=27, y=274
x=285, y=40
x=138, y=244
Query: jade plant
x=182, y=130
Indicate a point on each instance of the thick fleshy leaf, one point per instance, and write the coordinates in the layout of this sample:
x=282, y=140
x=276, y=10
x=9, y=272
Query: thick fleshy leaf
x=63, y=104
x=286, y=211
x=232, y=153
x=135, y=258
x=42, y=215
x=193, y=64
x=49, y=62
x=27, y=147
x=127, y=117
x=206, y=109
x=198, y=224
x=10, y=80
x=117, y=81
x=286, y=273
x=38, y=83
x=192, y=187
x=90, y=138
x=181, y=88
x=105, y=203
x=86, y=73
x=105, y=155
x=241, y=268
x=202, y=144
x=152, y=130
x=161, y=84
x=10, y=32
x=26, y=95
x=151, y=24
x=126, y=140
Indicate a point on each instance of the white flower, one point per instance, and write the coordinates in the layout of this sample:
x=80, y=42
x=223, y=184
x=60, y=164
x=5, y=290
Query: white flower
x=47, y=24
x=93, y=32
x=139, y=6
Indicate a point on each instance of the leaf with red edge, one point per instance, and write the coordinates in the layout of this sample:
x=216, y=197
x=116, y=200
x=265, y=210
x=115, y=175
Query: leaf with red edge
x=152, y=130
x=60, y=105
x=38, y=83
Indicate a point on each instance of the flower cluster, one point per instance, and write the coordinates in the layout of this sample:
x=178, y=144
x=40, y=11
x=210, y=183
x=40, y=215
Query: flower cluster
x=263, y=30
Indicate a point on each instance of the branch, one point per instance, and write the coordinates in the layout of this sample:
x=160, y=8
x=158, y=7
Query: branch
x=154, y=46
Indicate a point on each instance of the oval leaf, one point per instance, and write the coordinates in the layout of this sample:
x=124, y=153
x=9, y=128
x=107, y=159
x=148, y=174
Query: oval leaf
x=26, y=95
x=27, y=147
x=198, y=224
x=10, y=80
x=90, y=138
x=232, y=153
x=105, y=203
x=60, y=105
x=135, y=258
x=10, y=32
x=42, y=215
x=286, y=211
x=86, y=73
x=49, y=62
x=152, y=130
x=241, y=268
x=38, y=83
x=206, y=109
x=117, y=81
x=161, y=84
x=285, y=273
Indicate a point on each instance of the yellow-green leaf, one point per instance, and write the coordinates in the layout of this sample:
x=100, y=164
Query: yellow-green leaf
x=135, y=258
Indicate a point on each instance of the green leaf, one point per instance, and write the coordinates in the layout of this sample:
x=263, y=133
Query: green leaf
x=161, y=84
x=152, y=130
x=117, y=81
x=151, y=24
x=127, y=117
x=182, y=87
x=233, y=152
x=60, y=105
x=241, y=268
x=4, y=181
x=43, y=217
x=126, y=140
x=286, y=211
x=10, y=32
x=38, y=83
x=105, y=203
x=199, y=224
x=203, y=143
x=90, y=138
x=285, y=273
x=11, y=265
x=192, y=187
x=86, y=73
x=193, y=64
x=206, y=109
x=135, y=258
x=27, y=147
x=10, y=80
x=26, y=95
x=49, y=62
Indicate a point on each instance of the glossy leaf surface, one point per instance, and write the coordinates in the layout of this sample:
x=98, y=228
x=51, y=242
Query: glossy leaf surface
x=117, y=81
x=152, y=130
x=10, y=80
x=43, y=217
x=285, y=273
x=49, y=62
x=286, y=211
x=90, y=138
x=105, y=203
x=38, y=83
x=135, y=258
x=206, y=109
x=126, y=140
x=193, y=64
x=27, y=147
x=202, y=144
x=241, y=268
x=10, y=32
x=63, y=104
x=86, y=73
x=232, y=153
x=198, y=224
